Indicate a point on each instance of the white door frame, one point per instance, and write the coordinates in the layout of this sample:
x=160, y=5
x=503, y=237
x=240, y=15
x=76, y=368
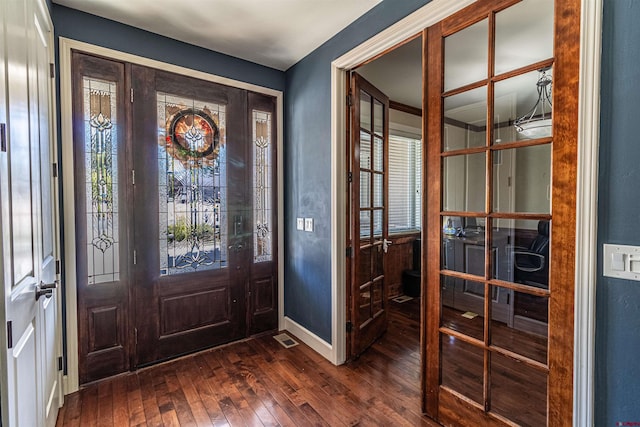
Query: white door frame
x=71, y=380
x=586, y=217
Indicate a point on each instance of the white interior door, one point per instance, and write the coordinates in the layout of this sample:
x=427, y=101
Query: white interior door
x=48, y=322
x=30, y=388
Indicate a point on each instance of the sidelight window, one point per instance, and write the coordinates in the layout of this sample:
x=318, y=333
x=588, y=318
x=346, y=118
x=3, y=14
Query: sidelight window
x=262, y=187
x=101, y=171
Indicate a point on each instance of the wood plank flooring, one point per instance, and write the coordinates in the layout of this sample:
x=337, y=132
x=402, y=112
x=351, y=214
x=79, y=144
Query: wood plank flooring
x=260, y=383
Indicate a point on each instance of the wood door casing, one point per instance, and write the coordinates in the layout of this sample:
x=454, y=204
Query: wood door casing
x=103, y=316
x=440, y=402
x=367, y=292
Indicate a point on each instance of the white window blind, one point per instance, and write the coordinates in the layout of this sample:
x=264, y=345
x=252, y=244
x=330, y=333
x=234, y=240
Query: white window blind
x=405, y=171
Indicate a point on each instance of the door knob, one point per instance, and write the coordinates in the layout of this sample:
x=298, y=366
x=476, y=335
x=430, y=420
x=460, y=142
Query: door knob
x=45, y=289
x=43, y=293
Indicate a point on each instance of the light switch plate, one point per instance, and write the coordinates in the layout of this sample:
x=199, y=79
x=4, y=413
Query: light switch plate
x=300, y=223
x=621, y=261
x=308, y=224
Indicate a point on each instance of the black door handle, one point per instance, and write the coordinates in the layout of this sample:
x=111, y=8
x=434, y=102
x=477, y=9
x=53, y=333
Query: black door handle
x=53, y=285
x=43, y=292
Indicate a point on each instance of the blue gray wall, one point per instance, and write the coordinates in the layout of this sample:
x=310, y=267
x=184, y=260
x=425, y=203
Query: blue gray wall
x=308, y=168
x=88, y=28
x=618, y=301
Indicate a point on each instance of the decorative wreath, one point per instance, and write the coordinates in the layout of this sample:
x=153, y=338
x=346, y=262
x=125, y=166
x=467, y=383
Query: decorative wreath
x=192, y=135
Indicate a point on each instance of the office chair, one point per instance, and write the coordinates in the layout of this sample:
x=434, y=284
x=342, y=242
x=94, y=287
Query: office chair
x=531, y=265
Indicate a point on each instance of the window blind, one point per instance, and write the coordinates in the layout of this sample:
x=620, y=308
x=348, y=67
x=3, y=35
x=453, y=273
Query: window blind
x=405, y=172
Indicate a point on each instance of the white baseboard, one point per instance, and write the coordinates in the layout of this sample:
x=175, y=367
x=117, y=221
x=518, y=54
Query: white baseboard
x=319, y=345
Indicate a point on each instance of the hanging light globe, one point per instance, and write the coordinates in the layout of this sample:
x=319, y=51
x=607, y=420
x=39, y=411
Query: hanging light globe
x=537, y=123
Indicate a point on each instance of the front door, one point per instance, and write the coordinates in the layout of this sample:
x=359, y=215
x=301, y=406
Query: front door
x=501, y=104
x=28, y=219
x=191, y=236
x=367, y=293
x=176, y=210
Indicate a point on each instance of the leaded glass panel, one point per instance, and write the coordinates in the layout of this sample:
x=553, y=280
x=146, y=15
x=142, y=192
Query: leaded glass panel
x=101, y=180
x=192, y=185
x=262, y=187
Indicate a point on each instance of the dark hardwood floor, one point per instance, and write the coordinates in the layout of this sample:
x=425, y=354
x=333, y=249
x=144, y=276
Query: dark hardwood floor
x=258, y=382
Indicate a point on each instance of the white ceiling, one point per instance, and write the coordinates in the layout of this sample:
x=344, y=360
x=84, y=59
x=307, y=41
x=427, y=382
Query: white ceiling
x=275, y=33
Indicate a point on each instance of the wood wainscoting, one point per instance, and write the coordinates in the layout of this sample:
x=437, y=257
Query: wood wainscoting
x=399, y=258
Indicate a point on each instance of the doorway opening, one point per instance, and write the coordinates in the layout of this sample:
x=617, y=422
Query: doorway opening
x=587, y=149
x=385, y=192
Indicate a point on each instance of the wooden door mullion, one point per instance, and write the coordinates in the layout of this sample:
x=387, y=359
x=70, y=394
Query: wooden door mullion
x=432, y=182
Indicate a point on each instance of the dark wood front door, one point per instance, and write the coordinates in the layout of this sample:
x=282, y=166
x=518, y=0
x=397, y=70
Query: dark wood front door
x=189, y=195
x=177, y=185
x=367, y=292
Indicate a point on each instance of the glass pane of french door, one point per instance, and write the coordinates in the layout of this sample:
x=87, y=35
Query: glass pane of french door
x=495, y=218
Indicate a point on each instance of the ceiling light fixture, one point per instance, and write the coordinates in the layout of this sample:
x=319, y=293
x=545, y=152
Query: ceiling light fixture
x=536, y=123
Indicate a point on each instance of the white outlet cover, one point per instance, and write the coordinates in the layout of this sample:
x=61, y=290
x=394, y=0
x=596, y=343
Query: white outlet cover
x=300, y=223
x=308, y=224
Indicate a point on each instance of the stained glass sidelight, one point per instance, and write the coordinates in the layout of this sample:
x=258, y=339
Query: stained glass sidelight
x=101, y=173
x=262, y=187
x=192, y=185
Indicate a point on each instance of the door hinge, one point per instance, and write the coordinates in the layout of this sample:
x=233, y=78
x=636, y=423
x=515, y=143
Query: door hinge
x=133, y=177
x=135, y=257
x=52, y=70
x=350, y=177
x=3, y=137
x=135, y=335
x=55, y=170
x=349, y=100
x=60, y=363
x=349, y=327
x=132, y=95
x=57, y=266
x=9, y=334
x=349, y=252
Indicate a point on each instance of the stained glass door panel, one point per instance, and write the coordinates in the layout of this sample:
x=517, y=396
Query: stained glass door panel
x=191, y=197
x=192, y=187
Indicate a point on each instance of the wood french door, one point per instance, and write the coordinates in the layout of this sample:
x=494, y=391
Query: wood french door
x=367, y=292
x=178, y=218
x=501, y=127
